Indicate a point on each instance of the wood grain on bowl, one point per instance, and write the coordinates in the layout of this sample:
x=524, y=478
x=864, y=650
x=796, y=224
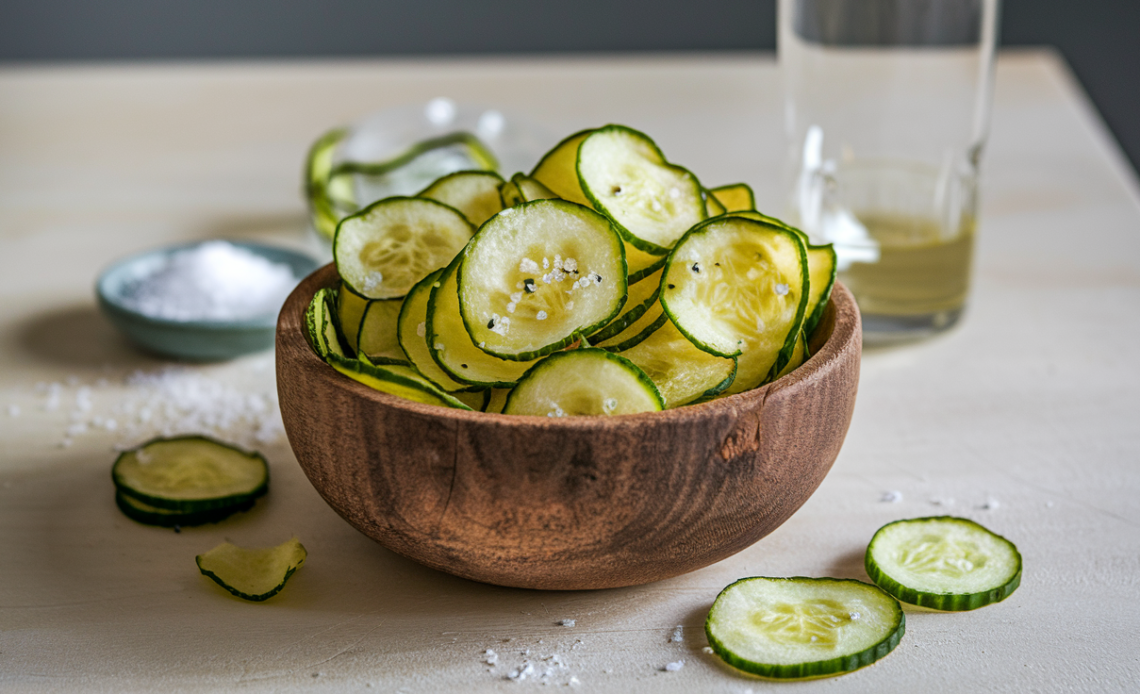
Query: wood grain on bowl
x=573, y=503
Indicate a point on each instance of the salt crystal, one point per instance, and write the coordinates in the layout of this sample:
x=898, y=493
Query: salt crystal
x=781, y=289
x=892, y=497
x=511, y=307
x=856, y=616
x=570, y=265
x=707, y=649
x=677, y=665
x=678, y=631
x=568, y=622
x=490, y=657
x=573, y=682
x=657, y=206
x=545, y=264
x=213, y=281
x=528, y=265
x=541, y=315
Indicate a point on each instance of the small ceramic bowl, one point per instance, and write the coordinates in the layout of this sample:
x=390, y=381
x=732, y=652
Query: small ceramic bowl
x=203, y=340
x=573, y=503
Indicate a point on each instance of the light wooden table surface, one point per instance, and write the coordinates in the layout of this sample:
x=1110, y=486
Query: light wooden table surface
x=1024, y=418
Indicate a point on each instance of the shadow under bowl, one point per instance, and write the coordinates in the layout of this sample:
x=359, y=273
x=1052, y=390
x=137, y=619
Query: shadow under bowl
x=196, y=340
x=573, y=503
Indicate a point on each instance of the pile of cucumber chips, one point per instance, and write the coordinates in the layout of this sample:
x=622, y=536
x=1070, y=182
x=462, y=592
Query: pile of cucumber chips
x=607, y=281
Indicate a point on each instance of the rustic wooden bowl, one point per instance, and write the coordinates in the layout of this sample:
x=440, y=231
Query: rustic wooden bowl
x=576, y=503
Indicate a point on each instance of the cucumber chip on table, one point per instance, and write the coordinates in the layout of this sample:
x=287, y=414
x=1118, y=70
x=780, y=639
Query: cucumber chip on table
x=800, y=628
x=943, y=563
x=539, y=276
x=252, y=574
x=190, y=474
x=583, y=382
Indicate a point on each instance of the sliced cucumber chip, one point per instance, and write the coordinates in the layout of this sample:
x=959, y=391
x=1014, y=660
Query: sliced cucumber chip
x=350, y=308
x=583, y=382
x=318, y=166
x=383, y=250
x=162, y=517
x=736, y=197
x=649, y=322
x=400, y=380
x=190, y=474
x=798, y=628
x=799, y=356
x=321, y=328
x=531, y=189
x=411, y=331
x=474, y=193
x=538, y=276
x=557, y=170
x=497, y=401
x=474, y=398
x=451, y=347
x=510, y=195
x=735, y=286
x=378, y=339
x=353, y=184
x=640, y=297
x=625, y=176
x=943, y=563
x=641, y=264
x=252, y=574
x=682, y=372
x=713, y=206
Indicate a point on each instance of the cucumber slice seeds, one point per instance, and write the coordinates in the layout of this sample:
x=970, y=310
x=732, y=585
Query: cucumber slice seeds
x=252, y=574
x=943, y=563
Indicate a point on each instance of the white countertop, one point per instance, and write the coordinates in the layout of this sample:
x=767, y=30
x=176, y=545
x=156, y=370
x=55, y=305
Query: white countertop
x=1024, y=418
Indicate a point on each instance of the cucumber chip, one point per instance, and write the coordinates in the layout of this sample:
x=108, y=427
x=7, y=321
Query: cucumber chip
x=583, y=382
x=800, y=628
x=252, y=574
x=737, y=197
x=190, y=474
x=474, y=193
x=411, y=332
x=318, y=166
x=625, y=176
x=538, y=276
x=640, y=297
x=350, y=310
x=378, y=340
x=558, y=172
x=943, y=563
x=383, y=250
x=153, y=515
x=321, y=326
x=736, y=286
x=400, y=380
x=682, y=373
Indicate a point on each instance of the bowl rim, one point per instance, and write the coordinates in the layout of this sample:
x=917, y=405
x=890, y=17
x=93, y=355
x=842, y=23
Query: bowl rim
x=842, y=313
x=113, y=300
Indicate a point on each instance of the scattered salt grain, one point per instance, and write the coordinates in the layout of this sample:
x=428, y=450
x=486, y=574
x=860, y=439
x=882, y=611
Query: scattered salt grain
x=675, y=666
x=856, y=616
x=568, y=622
x=528, y=265
x=521, y=672
x=213, y=281
x=892, y=497
x=490, y=657
x=573, y=681
x=781, y=289
x=570, y=265
x=678, y=634
x=541, y=315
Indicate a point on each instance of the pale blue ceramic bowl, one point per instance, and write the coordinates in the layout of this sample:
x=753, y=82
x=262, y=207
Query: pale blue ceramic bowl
x=207, y=340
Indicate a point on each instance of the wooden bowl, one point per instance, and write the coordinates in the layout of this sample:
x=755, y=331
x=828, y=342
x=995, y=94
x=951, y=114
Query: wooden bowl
x=575, y=503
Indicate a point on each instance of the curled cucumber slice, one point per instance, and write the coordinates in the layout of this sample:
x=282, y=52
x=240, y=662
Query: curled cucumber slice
x=474, y=193
x=682, y=373
x=321, y=325
x=583, y=382
x=252, y=574
x=801, y=628
x=401, y=380
x=557, y=170
x=411, y=332
x=383, y=250
x=943, y=563
x=538, y=276
x=190, y=474
x=625, y=176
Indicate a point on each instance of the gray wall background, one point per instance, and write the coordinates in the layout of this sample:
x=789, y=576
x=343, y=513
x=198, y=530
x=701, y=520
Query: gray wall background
x=1099, y=38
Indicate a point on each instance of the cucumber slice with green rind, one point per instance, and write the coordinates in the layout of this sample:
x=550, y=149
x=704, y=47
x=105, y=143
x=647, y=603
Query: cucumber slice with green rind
x=531, y=189
x=474, y=193
x=943, y=563
x=682, y=372
x=350, y=308
x=474, y=398
x=384, y=249
x=153, y=515
x=736, y=286
x=497, y=401
x=411, y=332
x=378, y=340
x=635, y=332
x=401, y=380
x=450, y=345
x=190, y=474
x=736, y=197
x=538, y=276
x=583, y=382
x=557, y=170
x=641, y=264
x=799, y=628
x=318, y=167
x=252, y=574
x=321, y=327
x=713, y=206
x=626, y=177
x=641, y=295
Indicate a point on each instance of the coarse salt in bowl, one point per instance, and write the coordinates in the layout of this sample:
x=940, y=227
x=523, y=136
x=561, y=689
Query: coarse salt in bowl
x=202, y=301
